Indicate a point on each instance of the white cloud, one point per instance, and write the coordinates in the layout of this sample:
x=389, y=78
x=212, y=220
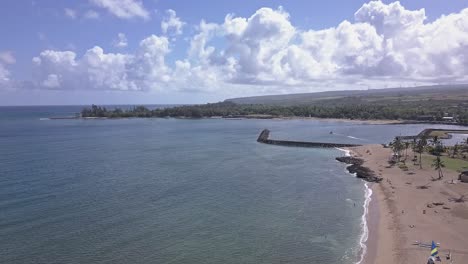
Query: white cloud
x=259, y=42
x=125, y=9
x=4, y=74
x=7, y=57
x=390, y=19
x=52, y=81
x=145, y=70
x=70, y=13
x=121, y=41
x=171, y=23
x=385, y=44
x=91, y=14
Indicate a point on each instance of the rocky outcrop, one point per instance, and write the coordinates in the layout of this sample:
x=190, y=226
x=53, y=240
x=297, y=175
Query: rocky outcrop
x=361, y=172
x=350, y=160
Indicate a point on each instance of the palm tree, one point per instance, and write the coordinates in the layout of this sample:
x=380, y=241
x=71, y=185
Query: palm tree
x=407, y=144
x=438, y=164
x=438, y=148
x=421, y=144
x=397, y=146
x=414, y=145
x=455, y=150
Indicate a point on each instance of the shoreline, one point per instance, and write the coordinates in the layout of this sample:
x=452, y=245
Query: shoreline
x=372, y=219
x=368, y=194
x=363, y=240
x=345, y=120
x=401, y=213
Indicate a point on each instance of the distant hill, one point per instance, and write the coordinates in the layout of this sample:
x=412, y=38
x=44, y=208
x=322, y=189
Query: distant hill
x=449, y=93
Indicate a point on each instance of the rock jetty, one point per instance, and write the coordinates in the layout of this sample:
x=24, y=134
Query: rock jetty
x=361, y=172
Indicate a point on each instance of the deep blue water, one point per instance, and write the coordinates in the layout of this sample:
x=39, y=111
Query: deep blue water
x=176, y=191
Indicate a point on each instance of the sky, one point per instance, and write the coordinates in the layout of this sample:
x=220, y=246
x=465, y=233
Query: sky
x=174, y=51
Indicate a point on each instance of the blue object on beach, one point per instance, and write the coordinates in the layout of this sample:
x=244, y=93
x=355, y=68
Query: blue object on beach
x=434, y=250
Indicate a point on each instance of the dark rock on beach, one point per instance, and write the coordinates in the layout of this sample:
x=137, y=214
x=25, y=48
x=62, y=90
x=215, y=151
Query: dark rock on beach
x=350, y=160
x=360, y=171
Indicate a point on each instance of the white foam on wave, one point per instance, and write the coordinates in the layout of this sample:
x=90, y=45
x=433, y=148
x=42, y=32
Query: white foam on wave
x=355, y=138
x=365, y=228
x=44, y=118
x=346, y=151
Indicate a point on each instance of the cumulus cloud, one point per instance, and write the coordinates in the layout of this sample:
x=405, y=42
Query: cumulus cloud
x=121, y=41
x=171, y=24
x=4, y=74
x=390, y=19
x=125, y=9
x=384, y=41
x=70, y=13
x=385, y=44
x=99, y=70
x=7, y=57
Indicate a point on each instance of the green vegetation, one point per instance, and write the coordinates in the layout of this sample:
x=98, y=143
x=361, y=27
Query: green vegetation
x=450, y=163
x=428, y=104
x=438, y=164
x=431, y=151
x=420, y=145
x=439, y=134
x=397, y=147
x=229, y=109
x=452, y=158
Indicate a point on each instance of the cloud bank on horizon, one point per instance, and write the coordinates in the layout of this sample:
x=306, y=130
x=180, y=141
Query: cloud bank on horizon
x=385, y=44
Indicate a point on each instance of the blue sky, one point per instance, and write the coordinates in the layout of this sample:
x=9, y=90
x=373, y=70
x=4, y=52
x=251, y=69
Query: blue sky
x=155, y=51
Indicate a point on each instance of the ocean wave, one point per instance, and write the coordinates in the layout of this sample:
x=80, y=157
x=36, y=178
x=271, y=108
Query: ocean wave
x=44, y=118
x=347, y=152
x=365, y=228
x=355, y=138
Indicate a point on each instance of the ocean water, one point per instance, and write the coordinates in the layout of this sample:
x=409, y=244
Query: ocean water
x=177, y=191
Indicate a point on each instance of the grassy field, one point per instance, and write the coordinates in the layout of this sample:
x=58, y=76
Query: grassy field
x=444, y=133
x=439, y=134
x=451, y=164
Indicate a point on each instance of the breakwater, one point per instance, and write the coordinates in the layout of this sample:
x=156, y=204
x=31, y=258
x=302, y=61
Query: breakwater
x=428, y=131
x=264, y=137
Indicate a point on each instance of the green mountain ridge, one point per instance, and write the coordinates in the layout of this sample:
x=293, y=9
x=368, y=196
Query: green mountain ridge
x=449, y=93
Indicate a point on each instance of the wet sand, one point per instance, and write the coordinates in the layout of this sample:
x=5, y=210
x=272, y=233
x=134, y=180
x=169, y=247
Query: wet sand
x=399, y=213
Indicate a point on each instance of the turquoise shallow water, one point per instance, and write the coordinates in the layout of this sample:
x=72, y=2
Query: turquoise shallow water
x=176, y=191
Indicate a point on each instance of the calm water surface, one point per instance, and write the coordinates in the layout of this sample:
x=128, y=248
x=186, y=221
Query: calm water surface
x=176, y=191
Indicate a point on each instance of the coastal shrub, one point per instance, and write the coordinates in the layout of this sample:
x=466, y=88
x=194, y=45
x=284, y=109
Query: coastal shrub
x=403, y=167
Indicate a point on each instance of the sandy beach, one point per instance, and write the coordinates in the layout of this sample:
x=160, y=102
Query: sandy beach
x=400, y=213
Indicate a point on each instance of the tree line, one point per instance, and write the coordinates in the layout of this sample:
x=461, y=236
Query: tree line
x=230, y=109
